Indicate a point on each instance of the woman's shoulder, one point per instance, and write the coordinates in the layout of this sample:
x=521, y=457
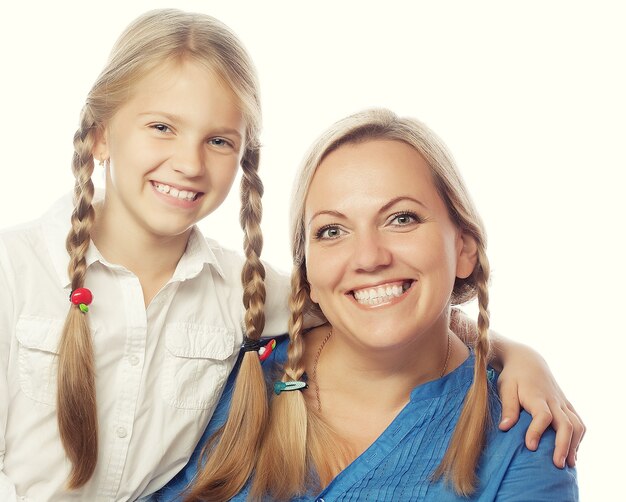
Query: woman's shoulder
x=507, y=468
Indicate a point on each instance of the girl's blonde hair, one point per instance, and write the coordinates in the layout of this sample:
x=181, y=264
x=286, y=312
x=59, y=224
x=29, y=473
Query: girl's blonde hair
x=154, y=39
x=299, y=452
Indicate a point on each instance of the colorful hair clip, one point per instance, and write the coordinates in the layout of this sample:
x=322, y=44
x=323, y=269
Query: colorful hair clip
x=264, y=352
x=81, y=297
x=286, y=386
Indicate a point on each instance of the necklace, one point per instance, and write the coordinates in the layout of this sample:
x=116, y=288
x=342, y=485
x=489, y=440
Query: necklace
x=445, y=366
x=315, y=361
x=323, y=344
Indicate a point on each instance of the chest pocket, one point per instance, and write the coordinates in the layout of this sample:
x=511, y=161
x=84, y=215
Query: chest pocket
x=38, y=354
x=196, y=364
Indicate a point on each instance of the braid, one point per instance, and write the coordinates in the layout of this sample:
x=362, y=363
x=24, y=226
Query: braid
x=76, y=398
x=231, y=461
x=461, y=458
x=253, y=273
x=282, y=465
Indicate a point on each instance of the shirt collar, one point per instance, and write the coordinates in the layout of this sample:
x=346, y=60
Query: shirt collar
x=197, y=254
x=56, y=225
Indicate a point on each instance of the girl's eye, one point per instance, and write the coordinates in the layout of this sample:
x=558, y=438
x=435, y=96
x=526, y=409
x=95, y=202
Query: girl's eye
x=328, y=232
x=221, y=142
x=161, y=128
x=404, y=218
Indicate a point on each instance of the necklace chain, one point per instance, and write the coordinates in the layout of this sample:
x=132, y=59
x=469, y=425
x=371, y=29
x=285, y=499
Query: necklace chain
x=445, y=366
x=325, y=341
x=315, y=361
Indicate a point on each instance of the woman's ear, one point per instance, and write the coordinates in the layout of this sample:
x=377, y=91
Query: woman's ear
x=467, y=255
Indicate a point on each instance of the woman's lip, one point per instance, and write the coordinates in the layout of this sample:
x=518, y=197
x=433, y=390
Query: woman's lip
x=384, y=293
x=393, y=282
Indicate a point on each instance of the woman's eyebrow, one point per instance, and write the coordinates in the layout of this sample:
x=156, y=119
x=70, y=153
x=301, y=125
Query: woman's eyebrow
x=401, y=198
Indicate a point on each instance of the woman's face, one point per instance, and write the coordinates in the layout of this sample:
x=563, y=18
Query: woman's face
x=381, y=251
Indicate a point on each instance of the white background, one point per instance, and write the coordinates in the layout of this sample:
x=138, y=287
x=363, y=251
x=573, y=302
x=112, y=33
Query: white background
x=530, y=97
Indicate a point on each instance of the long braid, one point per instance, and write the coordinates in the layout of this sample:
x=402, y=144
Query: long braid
x=282, y=464
x=76, y=398
x=230, y=463
x=460, y=461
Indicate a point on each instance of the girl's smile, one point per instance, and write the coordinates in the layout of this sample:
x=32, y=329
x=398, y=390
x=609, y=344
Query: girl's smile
x=174, y=149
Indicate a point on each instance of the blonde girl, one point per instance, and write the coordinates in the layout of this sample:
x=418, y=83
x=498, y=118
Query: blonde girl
x=107, y=403
x=116, y=338
x=386, y=240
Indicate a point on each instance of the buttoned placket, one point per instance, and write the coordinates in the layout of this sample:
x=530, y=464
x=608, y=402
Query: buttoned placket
x=126, y=402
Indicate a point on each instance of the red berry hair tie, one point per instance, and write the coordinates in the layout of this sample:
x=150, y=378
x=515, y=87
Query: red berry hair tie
x=81, y=297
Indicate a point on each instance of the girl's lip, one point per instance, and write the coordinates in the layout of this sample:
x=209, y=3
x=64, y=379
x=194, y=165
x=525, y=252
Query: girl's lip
x=177, y=187
x=175, y=201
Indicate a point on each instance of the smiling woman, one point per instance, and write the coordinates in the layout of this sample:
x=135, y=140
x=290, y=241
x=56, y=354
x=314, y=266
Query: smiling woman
x=384, y=402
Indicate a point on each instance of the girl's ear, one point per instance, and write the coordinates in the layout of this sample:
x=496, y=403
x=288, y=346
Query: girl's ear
x=467, y=255
x=100, y=149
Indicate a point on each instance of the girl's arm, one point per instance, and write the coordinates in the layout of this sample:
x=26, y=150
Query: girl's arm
x=7, y=488
x=526, y=381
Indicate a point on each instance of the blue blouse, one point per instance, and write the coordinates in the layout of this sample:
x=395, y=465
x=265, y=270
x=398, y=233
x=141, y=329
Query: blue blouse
x=399, y=464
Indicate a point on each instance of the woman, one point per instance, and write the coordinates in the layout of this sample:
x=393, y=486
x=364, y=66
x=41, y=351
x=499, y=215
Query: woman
x=384, y=402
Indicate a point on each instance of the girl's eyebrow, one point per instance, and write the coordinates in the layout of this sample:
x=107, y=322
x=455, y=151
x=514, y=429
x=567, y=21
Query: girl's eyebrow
x=175, y=118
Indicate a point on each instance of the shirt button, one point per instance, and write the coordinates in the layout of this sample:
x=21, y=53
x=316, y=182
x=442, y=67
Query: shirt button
x=121, y=432
x=133, y=360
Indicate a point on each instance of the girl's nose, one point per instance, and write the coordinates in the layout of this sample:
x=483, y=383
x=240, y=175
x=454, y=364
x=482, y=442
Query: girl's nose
x=189, y=160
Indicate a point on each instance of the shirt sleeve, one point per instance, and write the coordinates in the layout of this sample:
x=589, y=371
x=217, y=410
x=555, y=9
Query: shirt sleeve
x=7, y=488
x=531, y=475
x=277, y=289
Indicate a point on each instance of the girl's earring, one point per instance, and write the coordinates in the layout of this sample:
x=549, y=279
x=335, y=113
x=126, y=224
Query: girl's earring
x=102, y=162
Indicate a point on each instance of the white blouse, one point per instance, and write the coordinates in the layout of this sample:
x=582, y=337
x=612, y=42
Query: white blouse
x=159, y=370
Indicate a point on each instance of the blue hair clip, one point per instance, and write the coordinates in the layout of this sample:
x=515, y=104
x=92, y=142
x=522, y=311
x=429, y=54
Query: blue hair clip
x=286, y=386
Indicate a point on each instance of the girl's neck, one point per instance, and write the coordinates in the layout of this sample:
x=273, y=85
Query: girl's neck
x=153, y=259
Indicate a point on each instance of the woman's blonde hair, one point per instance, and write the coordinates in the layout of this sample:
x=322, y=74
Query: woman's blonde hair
x=299, y=451
x=154, y=39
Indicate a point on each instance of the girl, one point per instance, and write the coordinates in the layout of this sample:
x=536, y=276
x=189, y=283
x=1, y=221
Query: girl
x=384, y=402
x=107, y=400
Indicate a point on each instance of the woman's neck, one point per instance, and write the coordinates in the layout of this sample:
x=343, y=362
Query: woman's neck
x=400, y=367
x=360, y=392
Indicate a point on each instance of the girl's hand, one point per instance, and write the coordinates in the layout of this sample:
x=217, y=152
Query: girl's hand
x=526, y=380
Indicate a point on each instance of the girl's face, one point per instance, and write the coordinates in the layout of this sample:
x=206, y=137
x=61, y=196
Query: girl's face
x=174, y=149
x=382, y=253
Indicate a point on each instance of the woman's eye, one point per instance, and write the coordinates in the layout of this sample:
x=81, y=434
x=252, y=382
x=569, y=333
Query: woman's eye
x=406, y=218
x=328, y=232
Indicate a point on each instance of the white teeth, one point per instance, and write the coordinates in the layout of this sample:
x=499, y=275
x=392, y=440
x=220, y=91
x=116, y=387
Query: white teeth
x=173, y=192
x=380, y=294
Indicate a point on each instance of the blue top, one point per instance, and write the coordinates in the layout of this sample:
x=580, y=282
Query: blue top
x=399, y=464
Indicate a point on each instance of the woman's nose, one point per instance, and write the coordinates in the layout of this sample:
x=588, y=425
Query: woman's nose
x=371, y=252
